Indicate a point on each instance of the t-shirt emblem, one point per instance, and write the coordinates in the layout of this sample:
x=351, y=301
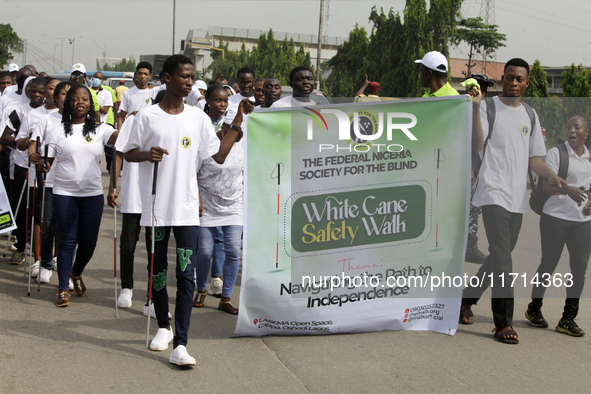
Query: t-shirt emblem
x=88, y=139
x=524, y=130
x=186, y=142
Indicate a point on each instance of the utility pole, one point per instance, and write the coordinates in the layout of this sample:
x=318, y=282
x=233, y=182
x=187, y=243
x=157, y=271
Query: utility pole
x=487, y=13
x=173, y=22
x=24, y=52
x=320, y=28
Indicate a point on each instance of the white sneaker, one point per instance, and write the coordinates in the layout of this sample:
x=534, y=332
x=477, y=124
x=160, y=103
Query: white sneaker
x=153, y=312
x=44, y=275
x=35, y=269
x=71, y=284
x=124, y=300
x=216, y=286
x=54, y=263
x=179, y=356
x=163, y=337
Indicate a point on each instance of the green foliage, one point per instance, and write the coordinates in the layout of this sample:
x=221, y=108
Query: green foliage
x=394, y=44
x=123, y=65
x=538, y=82
x=576, y=81
x=10, y=43
x=268, y=58
x=482, y=38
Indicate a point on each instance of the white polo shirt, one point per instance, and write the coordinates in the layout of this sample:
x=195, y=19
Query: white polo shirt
x=502, y=179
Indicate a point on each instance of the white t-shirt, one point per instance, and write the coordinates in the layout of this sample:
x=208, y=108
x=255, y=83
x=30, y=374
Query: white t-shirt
x=78, y=165
x=129, y=190
x=502, y=179
x=290, y=101
x=48, y=122
x=578, y=175
x=20, y=158
x=105, y=99
x=135, y=99
x=10, y=89
x=233, y=103
x=28, y=125
x=188, y=137
x=6, y=99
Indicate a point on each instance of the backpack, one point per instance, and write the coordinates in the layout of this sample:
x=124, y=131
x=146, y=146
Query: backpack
x=538, y=197
x=490, y=115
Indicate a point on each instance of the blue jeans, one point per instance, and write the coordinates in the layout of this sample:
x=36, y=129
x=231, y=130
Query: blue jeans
x=186, y=249
x=232, y=240
x=78, y=221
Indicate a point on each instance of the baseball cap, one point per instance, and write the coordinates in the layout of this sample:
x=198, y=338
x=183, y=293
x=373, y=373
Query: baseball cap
x=482, y=80
x=79, y=67
x=373, y=86
x=121, y=82
x=435, y=61
x=13, y=67
x=201, y=84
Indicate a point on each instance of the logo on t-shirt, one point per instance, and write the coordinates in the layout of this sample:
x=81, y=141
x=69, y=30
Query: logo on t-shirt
x=148, y=100
x=186, y=142
x=524, y=130
x=88, y=139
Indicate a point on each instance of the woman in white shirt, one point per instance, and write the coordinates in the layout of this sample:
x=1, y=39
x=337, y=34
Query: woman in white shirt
x=565, y=220
x=77, y=188
x=221, y=190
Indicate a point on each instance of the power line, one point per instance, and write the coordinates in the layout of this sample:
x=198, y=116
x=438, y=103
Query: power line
x=545, y=13
x=546, y=20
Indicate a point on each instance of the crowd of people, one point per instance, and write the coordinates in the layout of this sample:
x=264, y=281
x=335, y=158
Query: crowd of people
x=178, y=148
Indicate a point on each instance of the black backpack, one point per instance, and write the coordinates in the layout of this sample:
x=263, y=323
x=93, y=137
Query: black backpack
x=538, y=197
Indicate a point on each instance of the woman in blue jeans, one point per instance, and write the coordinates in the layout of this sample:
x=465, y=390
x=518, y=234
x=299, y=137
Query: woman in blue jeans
x=221, y=189
x=77, y=189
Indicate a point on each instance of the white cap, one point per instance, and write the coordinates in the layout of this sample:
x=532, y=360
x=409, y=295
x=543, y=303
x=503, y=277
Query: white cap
x=435, y=61
x=79, y=67
x=200, y=84
x=13, y=67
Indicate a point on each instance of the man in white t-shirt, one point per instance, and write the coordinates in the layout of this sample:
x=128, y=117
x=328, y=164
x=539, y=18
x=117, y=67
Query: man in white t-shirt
x=138, y=97
x=246, y=79
x=506, y=151
x=301, y=79
x=176, y=136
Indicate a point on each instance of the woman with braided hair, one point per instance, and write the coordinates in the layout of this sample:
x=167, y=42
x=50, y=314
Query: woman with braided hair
x=77, y=189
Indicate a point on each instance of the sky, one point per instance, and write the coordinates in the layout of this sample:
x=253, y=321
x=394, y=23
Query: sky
x=557, y=32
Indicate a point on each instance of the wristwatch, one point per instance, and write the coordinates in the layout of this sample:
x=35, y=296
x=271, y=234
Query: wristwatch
x=237, y=128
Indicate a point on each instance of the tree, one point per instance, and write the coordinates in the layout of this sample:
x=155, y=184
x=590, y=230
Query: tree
x=538, y=82
x=268, y=58
x=10, y=43
x=483, y=39
x=576, y=81
x=123, y=65
x=395, y=43
x=349, y=73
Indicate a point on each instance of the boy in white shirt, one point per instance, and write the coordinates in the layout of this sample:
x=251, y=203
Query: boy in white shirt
x=138, y=97
x=184, y=134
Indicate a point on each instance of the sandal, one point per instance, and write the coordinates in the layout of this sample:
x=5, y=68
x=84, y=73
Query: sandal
x=199, y=301
x=503, y=336
x=228, y=307
x=466, y=315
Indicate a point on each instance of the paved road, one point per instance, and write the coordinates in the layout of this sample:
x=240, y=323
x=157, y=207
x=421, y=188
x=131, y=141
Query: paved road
x=84, y=348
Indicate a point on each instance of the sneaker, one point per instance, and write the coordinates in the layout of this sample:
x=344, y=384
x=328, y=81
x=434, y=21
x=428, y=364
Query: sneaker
x=12, y=248
x=153, y=312
x=54, y=267
x=163, y=337
x=215, y=288
x=124, y=300
x=79, y=286
x=44, y=275
x=179, y=356
x=536, y=318
x=475, y=256
x=35, y=269
x=63, y=298
x=71, y=284
x=568, y=326
x=17, y=258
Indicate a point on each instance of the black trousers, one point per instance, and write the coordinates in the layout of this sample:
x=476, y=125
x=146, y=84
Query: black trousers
x=130, y=233
x=555, y=233
x=502, y=230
